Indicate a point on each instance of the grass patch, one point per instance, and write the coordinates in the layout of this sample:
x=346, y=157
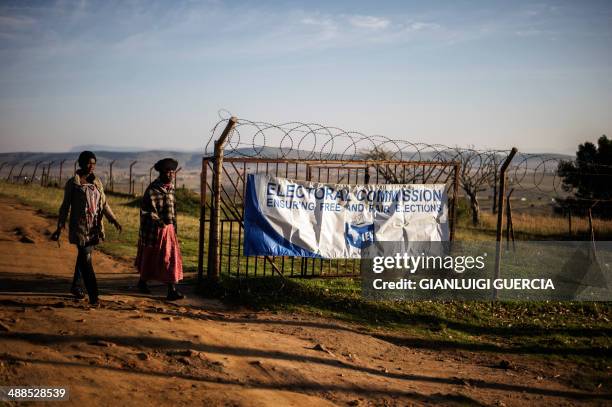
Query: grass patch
x=122, y=245
x=576, y=330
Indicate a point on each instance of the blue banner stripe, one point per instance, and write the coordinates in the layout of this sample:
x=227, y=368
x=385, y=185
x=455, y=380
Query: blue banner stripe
x=260, y=238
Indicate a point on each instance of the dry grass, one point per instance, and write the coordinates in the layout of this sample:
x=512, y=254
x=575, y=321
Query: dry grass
x=550, y=226
x=116, y=244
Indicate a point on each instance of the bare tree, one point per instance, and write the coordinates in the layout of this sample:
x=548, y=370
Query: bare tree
x=478, y=173
x=391, y=174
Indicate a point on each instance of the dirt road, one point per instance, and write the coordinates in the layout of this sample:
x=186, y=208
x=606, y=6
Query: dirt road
x=139, y=349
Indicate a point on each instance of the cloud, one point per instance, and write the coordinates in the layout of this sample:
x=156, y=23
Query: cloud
x=420, y=26
x=318, y=21
x=369, y=22
x=16, y=22
x=528, y=33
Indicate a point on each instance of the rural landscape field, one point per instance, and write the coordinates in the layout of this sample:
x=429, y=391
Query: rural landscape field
x=306, y=203
x=301, y=342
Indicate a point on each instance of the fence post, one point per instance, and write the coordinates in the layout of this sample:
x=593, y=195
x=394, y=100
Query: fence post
x=8, y=178
x=500, y=214
x=60, y=174
x=494, y=209
x=22, y=167
x=591, y=229
x=202, y=235
x=457, y=168
x=49, y=172
x=176, y=176
x=34, y=172
x=214, y=260
x=509, y=224
x=592, y=232
x=130, y=182
x=111, y=183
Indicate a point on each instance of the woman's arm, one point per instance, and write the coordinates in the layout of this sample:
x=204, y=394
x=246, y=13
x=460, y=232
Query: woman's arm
x=174, y=218
x=108, y=212
x=106, y=209
x=63, y=210
x=65, y=207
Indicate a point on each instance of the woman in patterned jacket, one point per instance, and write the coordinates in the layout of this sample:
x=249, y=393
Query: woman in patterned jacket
x=85, y=200
x=159, y=256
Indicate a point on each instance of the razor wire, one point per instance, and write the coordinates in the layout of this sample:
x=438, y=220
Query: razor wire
x=530, y=173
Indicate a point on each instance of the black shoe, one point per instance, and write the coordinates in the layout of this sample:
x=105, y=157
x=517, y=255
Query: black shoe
x=94, y=303
x=143, y=288
x=77, y=292
x=175, y=295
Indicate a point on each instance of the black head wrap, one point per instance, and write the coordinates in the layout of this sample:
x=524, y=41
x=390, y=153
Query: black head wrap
x=166, y=164
x=84, y=158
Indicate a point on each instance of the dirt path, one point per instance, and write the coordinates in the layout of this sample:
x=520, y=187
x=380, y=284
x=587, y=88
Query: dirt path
x=139, y=349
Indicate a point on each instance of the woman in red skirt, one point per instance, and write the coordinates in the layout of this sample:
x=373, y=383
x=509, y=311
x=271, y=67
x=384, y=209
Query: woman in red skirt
x=159, y=254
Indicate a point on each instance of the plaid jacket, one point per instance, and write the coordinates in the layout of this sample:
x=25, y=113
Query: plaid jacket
x=157, y=208
x=75, y=203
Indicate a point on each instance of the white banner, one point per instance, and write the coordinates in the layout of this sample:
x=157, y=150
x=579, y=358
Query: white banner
x=307, y=219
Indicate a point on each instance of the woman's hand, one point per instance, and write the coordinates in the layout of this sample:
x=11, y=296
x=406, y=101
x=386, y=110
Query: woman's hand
x=117, y=226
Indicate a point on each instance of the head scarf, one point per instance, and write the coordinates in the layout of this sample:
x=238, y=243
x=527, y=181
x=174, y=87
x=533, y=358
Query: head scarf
x=166, y=164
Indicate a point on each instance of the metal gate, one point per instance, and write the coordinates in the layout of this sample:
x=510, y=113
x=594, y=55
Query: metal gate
x=223, y=248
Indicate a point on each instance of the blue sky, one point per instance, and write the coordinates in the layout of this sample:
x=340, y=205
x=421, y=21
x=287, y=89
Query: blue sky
x=153, y=74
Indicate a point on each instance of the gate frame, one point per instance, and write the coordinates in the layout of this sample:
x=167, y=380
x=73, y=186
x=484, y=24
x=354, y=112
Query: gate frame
x=214, y=248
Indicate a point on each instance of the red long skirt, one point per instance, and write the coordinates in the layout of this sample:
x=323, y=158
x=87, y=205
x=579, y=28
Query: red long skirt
x=162, y=262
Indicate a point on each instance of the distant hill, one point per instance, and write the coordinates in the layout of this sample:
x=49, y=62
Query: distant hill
x=191, y=160
x=98, y=147
x=144, y=159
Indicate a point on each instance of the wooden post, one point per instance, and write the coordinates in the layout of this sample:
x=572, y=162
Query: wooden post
x=34, y=172
x=131, y=184
x=591, y=230
x=509, y=224
x=457, y=168
x=42, y=177
x=111, y=183
x=214, y=259
x=60, y=174
x=500, y=213
x=9, y=177
x=495, y=179
x=202, y=234
x=22, y=167
x=176, y=177
x=569, y=220
x=47, y=181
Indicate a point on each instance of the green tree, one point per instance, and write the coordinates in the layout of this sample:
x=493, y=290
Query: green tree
x=589, y=176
